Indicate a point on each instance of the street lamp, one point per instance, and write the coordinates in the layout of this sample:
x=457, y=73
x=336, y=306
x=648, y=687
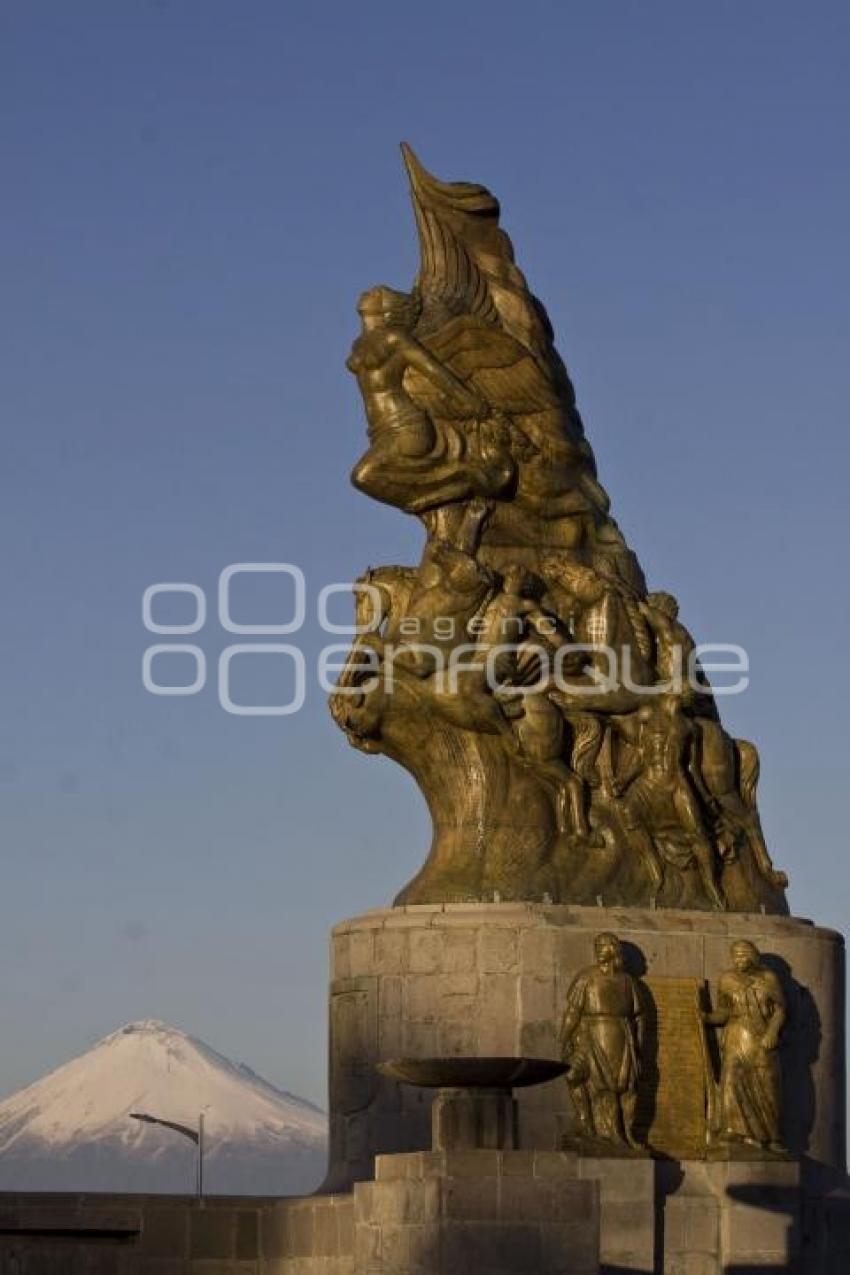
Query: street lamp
x=194, y=1135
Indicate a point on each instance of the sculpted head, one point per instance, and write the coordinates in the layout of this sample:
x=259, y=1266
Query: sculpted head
x=384, y=307
x=745, y=955
x=608, y=950
x=665, y=603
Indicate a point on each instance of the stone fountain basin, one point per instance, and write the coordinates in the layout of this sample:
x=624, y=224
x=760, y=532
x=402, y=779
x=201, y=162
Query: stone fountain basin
x=472, y=1073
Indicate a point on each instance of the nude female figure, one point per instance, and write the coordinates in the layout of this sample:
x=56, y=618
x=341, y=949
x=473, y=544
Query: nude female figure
x=411, y=462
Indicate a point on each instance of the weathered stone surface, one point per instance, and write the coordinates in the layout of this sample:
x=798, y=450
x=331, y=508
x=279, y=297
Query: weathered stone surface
x=706, y=1218
x=212, y=1234
x=130, y=1235
x=499, y=1212
x=627, y=1211
x=165, y=1232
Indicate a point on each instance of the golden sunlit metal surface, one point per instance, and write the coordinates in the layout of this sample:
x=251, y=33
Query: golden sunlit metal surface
x=552, y=709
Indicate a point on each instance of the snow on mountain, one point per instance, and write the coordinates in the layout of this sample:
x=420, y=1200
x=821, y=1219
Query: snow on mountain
x=71, y=1131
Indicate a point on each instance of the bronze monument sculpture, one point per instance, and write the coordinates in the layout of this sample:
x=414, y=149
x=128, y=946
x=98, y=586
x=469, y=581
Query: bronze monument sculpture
x=551, y=709
x=583, y=790
x=601, y=1040
x=751, y=1011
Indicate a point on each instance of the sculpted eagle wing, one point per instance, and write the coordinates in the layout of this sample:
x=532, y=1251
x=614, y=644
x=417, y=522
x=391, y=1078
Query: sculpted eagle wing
x=477, y=314
x=500, y=369
x=467, y=261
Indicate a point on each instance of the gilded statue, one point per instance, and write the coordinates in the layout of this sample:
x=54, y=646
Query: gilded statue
x=551, y=708
x=751, y=1012
x=601, y=1039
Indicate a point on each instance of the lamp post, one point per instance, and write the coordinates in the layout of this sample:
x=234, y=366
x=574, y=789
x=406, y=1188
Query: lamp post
x=194, y=1135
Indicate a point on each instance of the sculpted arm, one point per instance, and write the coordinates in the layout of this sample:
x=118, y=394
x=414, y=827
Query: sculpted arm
x=657, y=620
x=572, y=1013
x=630, y=730
x=417, y=356
x=544, y=623
x=623, y=780
x=694, y=767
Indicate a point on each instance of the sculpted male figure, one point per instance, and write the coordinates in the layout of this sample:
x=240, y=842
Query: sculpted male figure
x=730, y=770
x=660, y=806
x=502, y=625
x=601, y=1038
x=604, y=613
x=676, y=664
x=450, y=587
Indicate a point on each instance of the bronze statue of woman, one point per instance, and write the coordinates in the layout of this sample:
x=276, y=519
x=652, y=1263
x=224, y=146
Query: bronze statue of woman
x=752, y=1012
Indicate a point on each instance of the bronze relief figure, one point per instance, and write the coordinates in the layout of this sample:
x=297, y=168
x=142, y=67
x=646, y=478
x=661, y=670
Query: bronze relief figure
x=601, y=1040
x=751, y=1012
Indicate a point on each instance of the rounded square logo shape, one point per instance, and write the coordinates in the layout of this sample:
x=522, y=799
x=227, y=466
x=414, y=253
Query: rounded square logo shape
x=261, y=710
x=155, y=590
x=257, y=568
x=174, y=648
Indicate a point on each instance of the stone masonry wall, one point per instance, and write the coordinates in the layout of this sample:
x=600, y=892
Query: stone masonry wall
x=490, y=979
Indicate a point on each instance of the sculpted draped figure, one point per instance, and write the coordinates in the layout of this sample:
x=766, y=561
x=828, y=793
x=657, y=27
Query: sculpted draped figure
x=751, y=1013
x=601, y=1040
x=552, y=710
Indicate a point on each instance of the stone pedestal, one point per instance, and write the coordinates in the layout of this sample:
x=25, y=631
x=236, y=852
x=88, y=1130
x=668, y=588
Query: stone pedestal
x=628, y=1213
x=473, y=1119
x=491, y=979
x=693, y=1217
x=455, y=1213
x=733, y=1216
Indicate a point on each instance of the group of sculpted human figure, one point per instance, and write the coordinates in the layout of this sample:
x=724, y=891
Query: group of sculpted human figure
x=526, y=644
x=639, y=757
x=603, y=1039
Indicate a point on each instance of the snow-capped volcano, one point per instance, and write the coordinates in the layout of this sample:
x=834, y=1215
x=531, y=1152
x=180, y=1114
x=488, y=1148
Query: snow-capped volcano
x=71, y=1131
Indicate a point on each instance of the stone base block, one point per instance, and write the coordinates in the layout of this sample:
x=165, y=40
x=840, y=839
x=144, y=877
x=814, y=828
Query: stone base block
x=311, y=1236
x=701, y=1218
x=454, y=1213
x=478, y=1208
x=730, y=1216
x=627, y=1226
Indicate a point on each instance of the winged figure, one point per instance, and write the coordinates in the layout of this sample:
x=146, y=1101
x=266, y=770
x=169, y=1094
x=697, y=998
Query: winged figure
x=464, y=391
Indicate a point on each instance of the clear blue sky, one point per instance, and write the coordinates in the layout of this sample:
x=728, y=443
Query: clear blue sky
x=194, y=194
